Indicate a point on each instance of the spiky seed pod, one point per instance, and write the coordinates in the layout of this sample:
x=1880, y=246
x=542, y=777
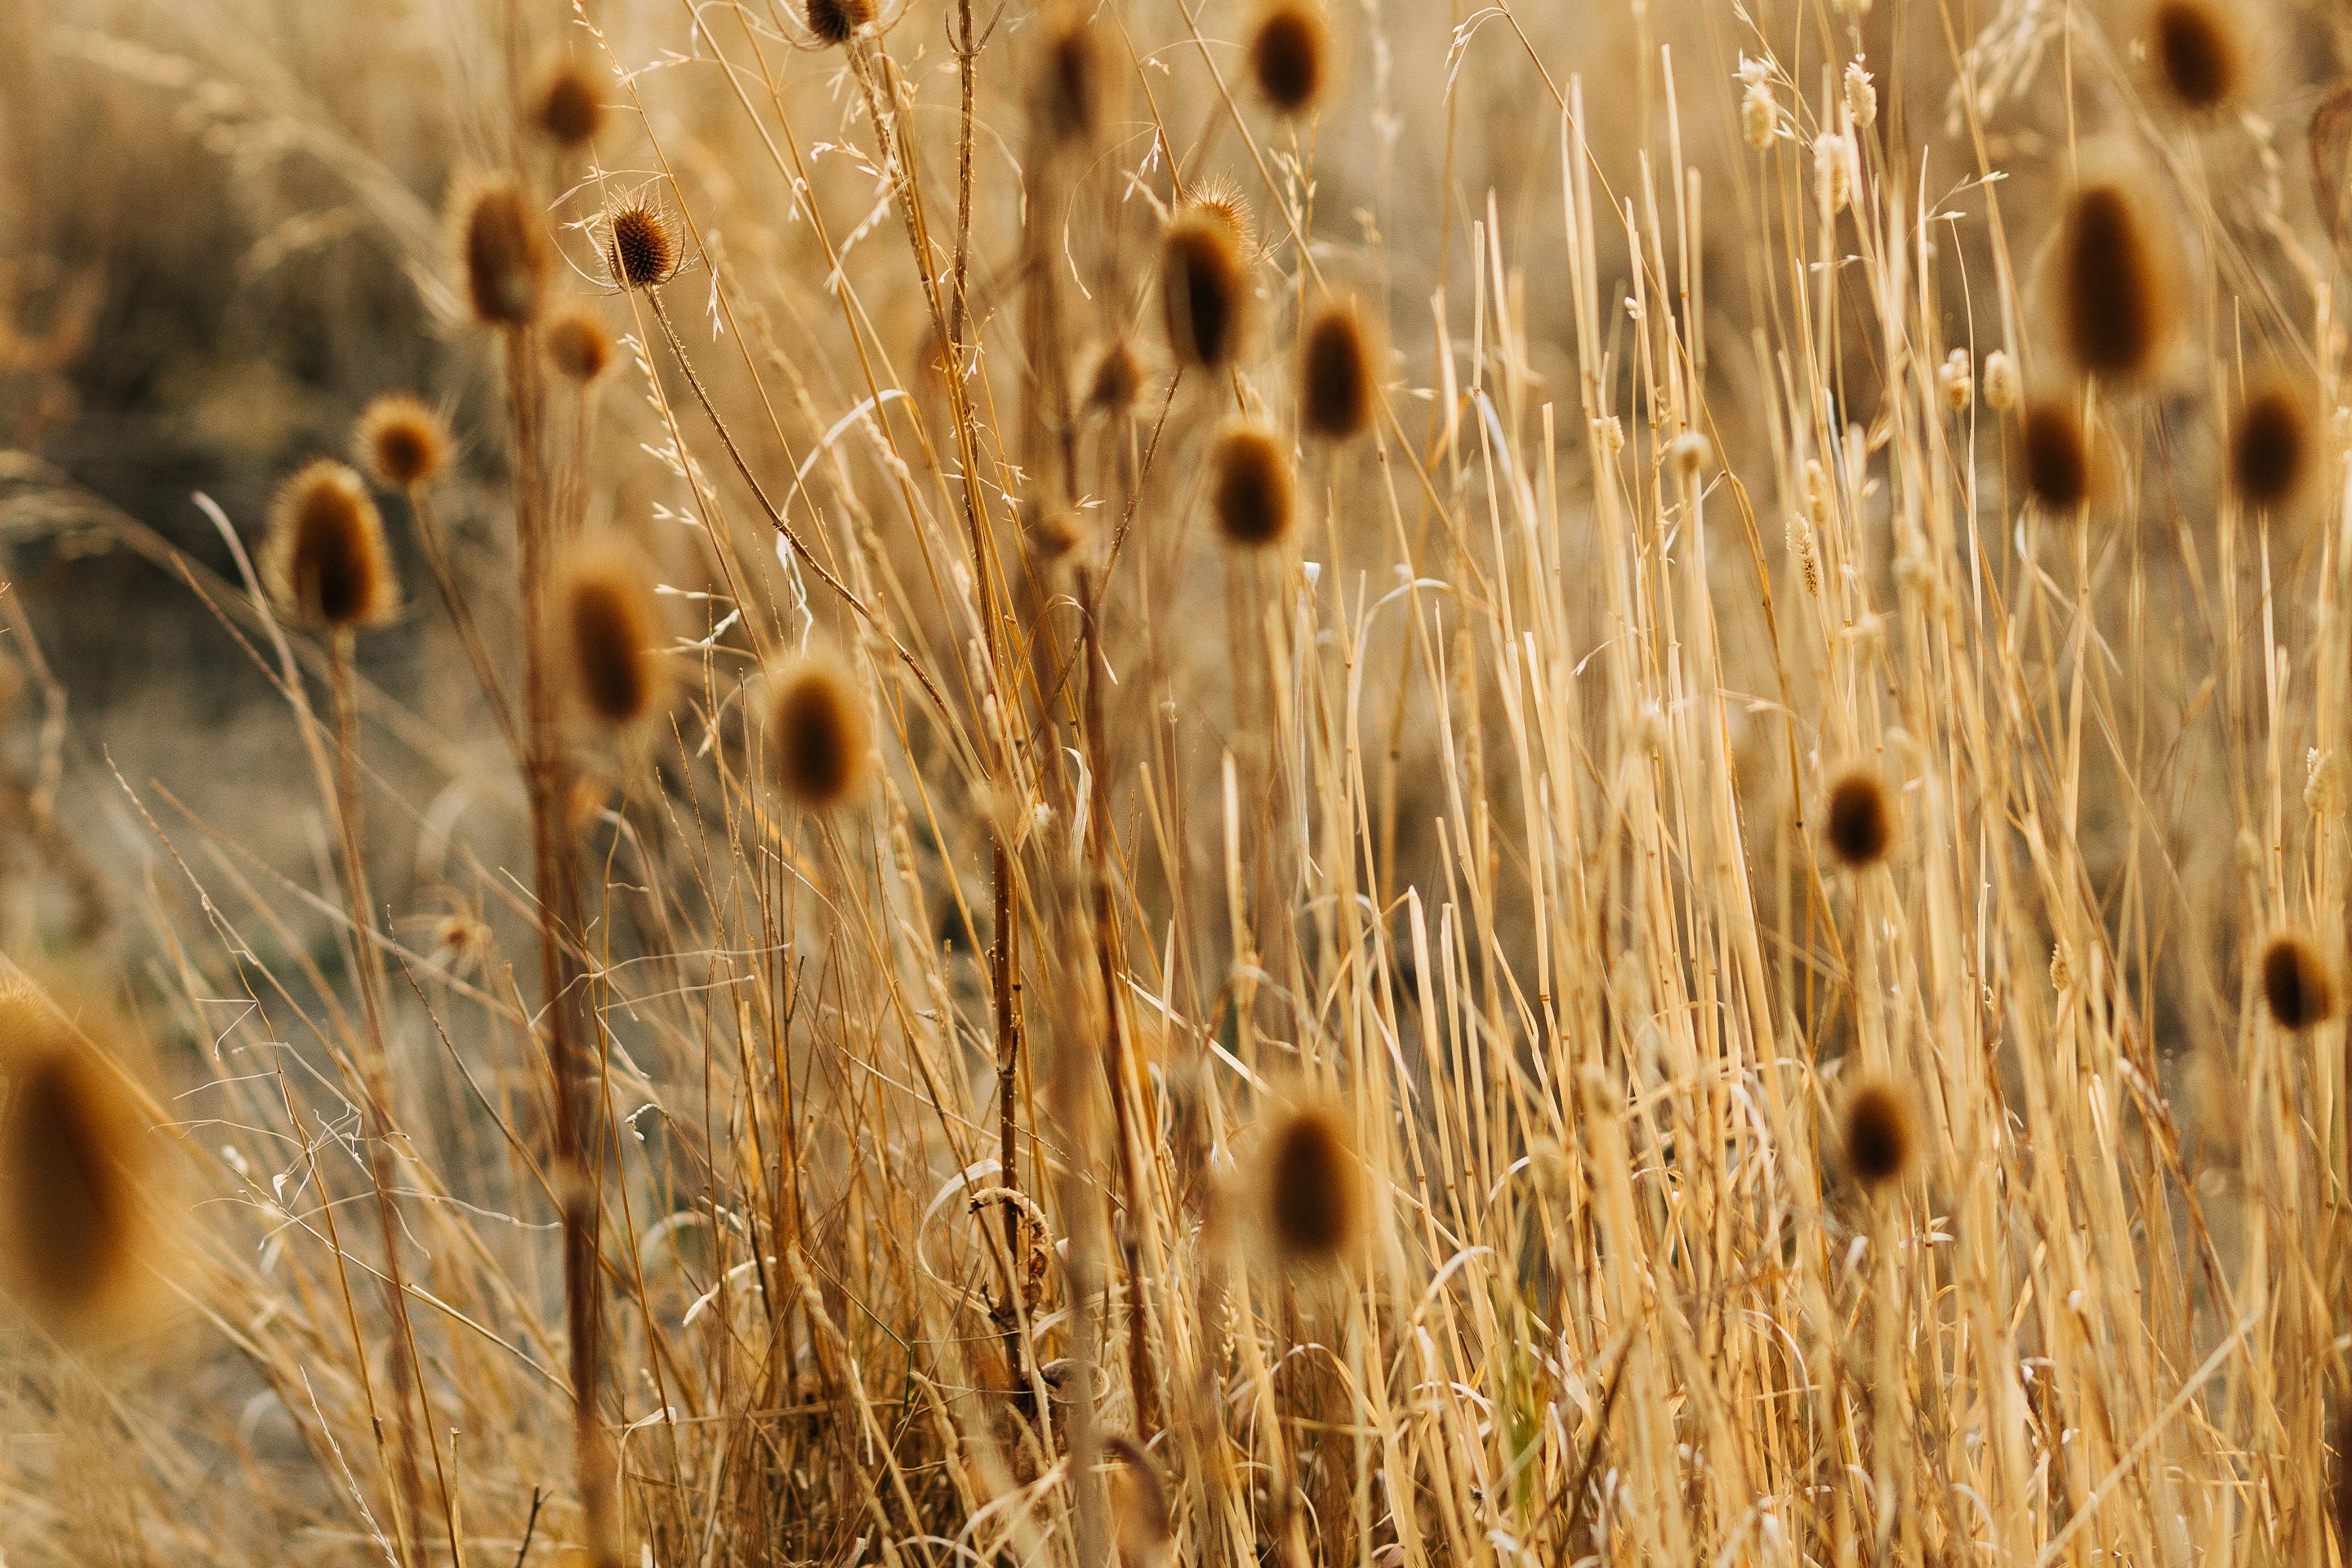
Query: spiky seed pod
x=2270, y=446
x=838, y=21
x=613, y=632
x=2055, y=454
x=325, y=559
x=1860, y=821
x=1335, y=375
x=1140, y=1515
x=2116, y=308
x=1117, y=383
x=1221, y=198
x=569, y=109
x=2200, y=50
x=1205, y=291
x=1071, y=75
x=642, y=248
x=71, y=1159
x=1877, y=1135
x=819, y=731
x=505, y=255
x=1288, y=54
x=579, y=346
x=400, y=441
x=1250, y=490
x=1314, y=1208
x=2296, y=982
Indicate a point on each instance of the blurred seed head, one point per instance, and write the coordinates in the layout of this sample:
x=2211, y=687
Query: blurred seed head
x=2201, y=51
x=1289, y=55
x=1335, y=375
x=818, y=728
x=2055, y=453
x=2118, y=310
x=2001, y=387
x=401, y=441
x=579, y=346
x=1073, y=79
x=569, y=109
x=1205, y=291
x=642, y=249
x=613, y=633
x=505, y=252
x=838, y=21
x=325, y=559
x=2297, y=985
x=1877, y=1134
x=1313, y=1201
x=1860, y=819
x=1117, y=383
x=1250, y=491
x=2270, y=447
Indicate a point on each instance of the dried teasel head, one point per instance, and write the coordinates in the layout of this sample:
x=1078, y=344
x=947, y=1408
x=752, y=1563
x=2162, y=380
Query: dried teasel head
x=505, y=254
x=818, y=729
x=2117, y=303
x=569, y=107
x=643, y=247
x=1220, y=197
x=2298, y=986
x=1313, y=1195
x=1876, y=1133
x=1859, y=819
x=1072, y=81
x=1117, y=383
x=401, y=441
x=2272, y=442
x=325, y=559
x=2201, y=53
x=579, y=345
x=72, y=1166
x=835, y=22
x=1336, y=392
x=1251, y=494
x=1205, y=291
x=613, y=634
x=2054, y=452
x=1289, y=55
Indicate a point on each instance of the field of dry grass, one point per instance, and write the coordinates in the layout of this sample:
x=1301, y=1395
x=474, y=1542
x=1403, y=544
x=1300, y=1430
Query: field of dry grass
x=942, y=783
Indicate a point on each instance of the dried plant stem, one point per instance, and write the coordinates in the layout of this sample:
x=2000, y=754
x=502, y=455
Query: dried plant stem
x=435, y=546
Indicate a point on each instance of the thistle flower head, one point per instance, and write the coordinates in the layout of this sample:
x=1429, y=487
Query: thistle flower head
x=1289, y=56
x=2200, y=52
x=401, y=441
x=1117, y=383
x=2270, y=447
x=642, y=249
x=2055, y=454
x=1335, y=375
x=613, y=633
x=579, y=345
x=1313, y=1201
x=1859, y=821
x=1877, y=1135
x=1250, y=490
x=505, y=254
x=325, y=559
x=1071, y=79
x=2297, y=984
x=569, y=107
x=2118, y=308
x=1205, y=291
x=835, y=22
x=818, y=727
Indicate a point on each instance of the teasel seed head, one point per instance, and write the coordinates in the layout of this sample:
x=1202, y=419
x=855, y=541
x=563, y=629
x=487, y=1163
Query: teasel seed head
x=642, y=249
x=71, y=1166
x=1877, y=1134
x=1204, y=290
x=401, y=441
x=1314, y=1199
x=613, y=632
x=1289, y=56
x=1220, y=197
x=2118, y=307
x=1335, y=375
x=325, y=559
x=579, y=346
x=2055, y=453
x=1860, y=820
x=836, y=21
x=1117, y=383
x=1072, y=81
x=2201, y=51
x=569, y=109
x=1251, y=493
x=2297, y=984
x=819, y=729
x=2270, y=447
x=506, y=255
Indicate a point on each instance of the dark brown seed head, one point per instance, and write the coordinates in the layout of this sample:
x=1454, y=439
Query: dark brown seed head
x=1071, y=77
x=2270, y=448
x=612, y=630
x=1205, y=291
x=325, y=559
x=401, y=441
x=838, y=21
x=1287, y=55
x=570, y=108
x=1250, y=489
x=1118, y=382
x=505, y=255
x=2115, y=306
x=641, y=247
x=2296, y=982
x=70, y=1157
x=1860, y=821
x=2056, y=454
x=579, y=346
x=2199, y=51
x=1313, y=1205
x=1335, y=376
x=819, y=731
x=1877, y=1135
